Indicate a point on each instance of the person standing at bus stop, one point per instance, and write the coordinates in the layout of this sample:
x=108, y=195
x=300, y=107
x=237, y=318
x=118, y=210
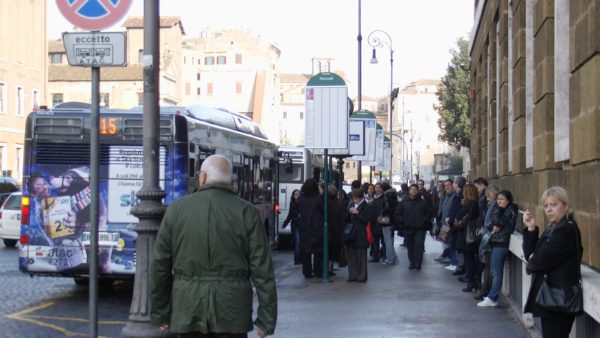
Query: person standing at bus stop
x=211, y=249
x=311, y=229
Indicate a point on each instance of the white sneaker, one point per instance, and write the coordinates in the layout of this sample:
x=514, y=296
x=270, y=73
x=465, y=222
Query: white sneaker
x=487, y=302
x=451, y=267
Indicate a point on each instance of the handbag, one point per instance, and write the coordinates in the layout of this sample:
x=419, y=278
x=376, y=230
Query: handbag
x=444, y=233
x=384, y=220
x=349, y=233
x=567, y=300
x=370, y=238
x=484, y=245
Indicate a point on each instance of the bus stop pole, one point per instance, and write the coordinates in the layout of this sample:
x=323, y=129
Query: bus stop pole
x=325, y=219
x=94, y=168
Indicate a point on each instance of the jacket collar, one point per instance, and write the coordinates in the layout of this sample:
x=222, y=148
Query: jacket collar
x=222, y=186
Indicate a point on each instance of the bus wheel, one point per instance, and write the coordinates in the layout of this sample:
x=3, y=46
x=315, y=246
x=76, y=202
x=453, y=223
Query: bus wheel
x=10, y=243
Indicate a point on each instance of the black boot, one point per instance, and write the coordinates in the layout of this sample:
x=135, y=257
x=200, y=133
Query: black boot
x=469, y=288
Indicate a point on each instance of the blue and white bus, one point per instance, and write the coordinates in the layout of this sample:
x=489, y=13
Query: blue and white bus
x=55, y=227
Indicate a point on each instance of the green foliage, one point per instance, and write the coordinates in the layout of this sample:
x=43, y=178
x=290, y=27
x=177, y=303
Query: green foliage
x=453, y=97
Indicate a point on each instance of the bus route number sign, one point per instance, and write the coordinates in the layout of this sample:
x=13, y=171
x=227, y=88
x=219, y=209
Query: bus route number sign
x=95, y=49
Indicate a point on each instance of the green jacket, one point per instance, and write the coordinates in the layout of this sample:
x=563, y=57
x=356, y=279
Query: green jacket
x=210, y=246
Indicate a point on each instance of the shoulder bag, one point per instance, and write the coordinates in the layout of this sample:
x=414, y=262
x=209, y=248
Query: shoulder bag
x=569, y=300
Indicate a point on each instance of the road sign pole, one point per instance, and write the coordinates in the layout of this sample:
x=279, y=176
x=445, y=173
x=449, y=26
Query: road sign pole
x=94, y=161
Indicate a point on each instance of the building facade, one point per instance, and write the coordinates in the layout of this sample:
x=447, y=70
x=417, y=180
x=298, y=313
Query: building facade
x=235, y=70
x=120, y=87
x=22, y=76
x=535, y=116
x=416, y=131
x=292, y=89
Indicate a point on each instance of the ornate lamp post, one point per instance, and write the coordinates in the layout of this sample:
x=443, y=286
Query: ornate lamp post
x=150, y=210
x=379, y=38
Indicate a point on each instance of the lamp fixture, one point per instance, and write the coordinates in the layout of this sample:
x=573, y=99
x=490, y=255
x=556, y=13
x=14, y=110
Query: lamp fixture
x=374, y=58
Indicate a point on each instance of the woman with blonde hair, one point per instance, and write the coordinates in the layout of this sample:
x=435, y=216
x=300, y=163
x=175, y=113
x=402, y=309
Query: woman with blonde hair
x=554, y=257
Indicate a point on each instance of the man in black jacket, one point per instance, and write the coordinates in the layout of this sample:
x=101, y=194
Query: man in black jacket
x=412, y=216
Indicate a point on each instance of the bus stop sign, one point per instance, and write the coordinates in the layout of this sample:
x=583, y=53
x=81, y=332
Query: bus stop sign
x=93, y=15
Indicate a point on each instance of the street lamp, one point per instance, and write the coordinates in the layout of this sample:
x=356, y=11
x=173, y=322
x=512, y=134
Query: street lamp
x=379, y=38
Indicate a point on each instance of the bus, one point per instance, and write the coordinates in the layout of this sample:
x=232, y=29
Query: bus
x=55, y=220
x=296, y=164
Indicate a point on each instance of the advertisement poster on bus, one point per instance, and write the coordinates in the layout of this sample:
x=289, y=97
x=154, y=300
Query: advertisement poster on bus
x=126, y=179
x=59, y=214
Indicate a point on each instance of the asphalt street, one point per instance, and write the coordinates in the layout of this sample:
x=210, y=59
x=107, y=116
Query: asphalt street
x=395, y=302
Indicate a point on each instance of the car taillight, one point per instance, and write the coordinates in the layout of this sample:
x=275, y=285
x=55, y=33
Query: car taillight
x=24, y=210
x=276, y=207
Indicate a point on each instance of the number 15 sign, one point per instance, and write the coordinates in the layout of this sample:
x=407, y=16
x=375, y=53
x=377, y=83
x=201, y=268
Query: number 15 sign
x=93, y=15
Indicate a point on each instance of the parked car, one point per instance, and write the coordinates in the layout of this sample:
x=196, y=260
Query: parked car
x=8, y=185
x=10, y=219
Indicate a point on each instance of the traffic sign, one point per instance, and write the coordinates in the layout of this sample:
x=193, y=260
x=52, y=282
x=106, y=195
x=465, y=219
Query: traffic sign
x=95, y=49
x=93, y=15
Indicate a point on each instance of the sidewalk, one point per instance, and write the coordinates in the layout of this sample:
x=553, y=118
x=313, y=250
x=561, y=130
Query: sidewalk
x=395, y=302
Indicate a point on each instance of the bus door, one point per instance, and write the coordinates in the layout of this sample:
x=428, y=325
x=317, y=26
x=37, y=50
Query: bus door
x=291, y=176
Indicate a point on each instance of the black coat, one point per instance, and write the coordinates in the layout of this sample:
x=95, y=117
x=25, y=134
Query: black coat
x=311, y=224
x=378, y=205
x=293, y=216
x=412, y=215
x=360, y=221
x=336, y=220
x=506, y=220
x=553, y=254
x=391, y=198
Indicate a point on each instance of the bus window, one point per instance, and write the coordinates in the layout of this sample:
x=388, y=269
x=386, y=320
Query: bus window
x=238, y=184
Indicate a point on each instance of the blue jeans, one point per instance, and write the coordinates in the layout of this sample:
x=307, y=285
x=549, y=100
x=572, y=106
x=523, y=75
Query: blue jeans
x=388, y=238
x=497, y=257
x=297, y=252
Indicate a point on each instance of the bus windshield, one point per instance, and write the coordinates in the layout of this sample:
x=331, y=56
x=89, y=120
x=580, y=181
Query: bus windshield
x=290, y=173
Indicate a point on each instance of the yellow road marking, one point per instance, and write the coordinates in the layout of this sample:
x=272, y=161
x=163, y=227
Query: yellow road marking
x=26, y=316
x=81, y=320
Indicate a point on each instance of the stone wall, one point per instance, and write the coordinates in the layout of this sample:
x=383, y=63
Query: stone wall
x=492, y=119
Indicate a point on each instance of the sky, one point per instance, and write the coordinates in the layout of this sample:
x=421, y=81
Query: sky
x=421, y=31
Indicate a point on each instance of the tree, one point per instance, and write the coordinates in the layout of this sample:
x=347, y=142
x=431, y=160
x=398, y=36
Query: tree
x=453, y=97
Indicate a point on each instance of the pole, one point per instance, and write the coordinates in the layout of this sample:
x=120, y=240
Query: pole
x=94, y=166
x=150, y=209
x=391, y=111
x=411, y=150
x=325, y=219
x=359, y=99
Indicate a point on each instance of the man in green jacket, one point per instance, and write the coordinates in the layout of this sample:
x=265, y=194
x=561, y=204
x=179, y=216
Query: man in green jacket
x=210, y=250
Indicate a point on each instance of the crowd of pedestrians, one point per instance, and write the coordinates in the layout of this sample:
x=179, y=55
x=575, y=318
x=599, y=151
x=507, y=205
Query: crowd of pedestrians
x=474, y=223
x=478, y=219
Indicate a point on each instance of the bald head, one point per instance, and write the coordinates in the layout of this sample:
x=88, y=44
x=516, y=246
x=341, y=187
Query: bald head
x=216, y=169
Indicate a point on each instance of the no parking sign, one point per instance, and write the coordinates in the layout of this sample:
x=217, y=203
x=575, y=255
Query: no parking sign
x=93, y=15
